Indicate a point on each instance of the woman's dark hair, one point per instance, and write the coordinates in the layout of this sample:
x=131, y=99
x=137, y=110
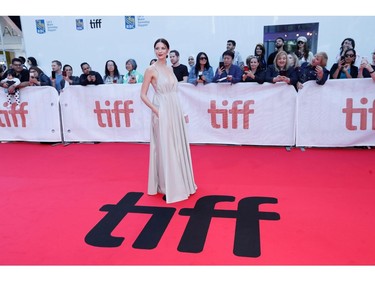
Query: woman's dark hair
x=115, y=71
x=305, y=54
x=67, y=65
x=37, y=69
x=33, y=61
x=262, y=48
x=347, y=39
x=23, y=60
x=198, y=65
x=162, y=40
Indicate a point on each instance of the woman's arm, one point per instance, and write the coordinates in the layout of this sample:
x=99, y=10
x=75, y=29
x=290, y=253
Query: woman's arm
x=149, y=75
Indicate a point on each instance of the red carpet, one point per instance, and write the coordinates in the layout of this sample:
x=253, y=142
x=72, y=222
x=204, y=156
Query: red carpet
x=71, y=205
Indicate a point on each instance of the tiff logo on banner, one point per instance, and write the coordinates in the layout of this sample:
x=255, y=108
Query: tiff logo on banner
x=246, y=232
x=360, y=112
x=95, y=23
x=237, y=108
x=14, y=117
x=105, y=116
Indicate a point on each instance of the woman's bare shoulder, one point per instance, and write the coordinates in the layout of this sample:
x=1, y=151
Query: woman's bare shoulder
x=150, y=70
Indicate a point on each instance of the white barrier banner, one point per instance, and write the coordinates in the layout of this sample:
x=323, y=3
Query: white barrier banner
x=105, y=113
x=243, y=113
x=340, y=113
x=35, y=119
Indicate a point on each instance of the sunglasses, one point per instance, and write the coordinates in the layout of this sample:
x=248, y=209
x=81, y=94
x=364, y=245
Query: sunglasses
x=300, y=42
x=203, y=58
x=351, y=55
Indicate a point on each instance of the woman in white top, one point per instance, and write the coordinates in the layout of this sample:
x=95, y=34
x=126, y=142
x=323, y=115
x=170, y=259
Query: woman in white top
x=303, y=53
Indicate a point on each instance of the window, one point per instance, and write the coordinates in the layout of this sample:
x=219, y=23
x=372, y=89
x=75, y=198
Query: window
x=290, y=33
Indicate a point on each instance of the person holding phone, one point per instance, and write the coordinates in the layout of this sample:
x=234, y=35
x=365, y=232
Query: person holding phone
x=132, y=76
x=56, y=74
x=345, y=68
x=367, y=70
x=202, y=71
x=237, y=59
x=112, y=74
x=69, y=79
x=227, y=71
x=253, y=71
x=280, y=70
x=38, y=77
x=89, y=77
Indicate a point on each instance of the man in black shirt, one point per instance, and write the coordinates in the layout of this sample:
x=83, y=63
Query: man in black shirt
x=279, y=45
x=180, y=70
x=20, y=73
x=89, y=77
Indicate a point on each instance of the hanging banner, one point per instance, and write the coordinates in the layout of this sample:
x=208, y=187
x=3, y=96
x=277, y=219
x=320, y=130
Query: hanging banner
x=105, y=113
x=244, y=113
x=340, y=113
x=35, y=119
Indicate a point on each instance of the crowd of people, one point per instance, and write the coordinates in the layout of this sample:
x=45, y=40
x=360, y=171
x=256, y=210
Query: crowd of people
x=294, y=68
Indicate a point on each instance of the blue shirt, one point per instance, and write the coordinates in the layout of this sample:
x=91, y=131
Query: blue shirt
x=207, y=73
x=234, y=70
x=59, y=77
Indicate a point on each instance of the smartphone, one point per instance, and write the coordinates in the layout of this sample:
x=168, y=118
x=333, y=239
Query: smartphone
x=53, y=74
x=64, y=73
x=221, y=64
x=282, y=73
x=245, y=68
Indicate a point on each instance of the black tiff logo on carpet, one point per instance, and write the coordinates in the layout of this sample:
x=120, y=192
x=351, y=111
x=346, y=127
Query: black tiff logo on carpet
x=246, y=235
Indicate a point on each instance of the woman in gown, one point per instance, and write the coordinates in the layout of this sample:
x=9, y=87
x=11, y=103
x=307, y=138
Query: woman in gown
x=170, y=167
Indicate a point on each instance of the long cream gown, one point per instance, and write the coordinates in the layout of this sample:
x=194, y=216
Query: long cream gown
x=170, y=170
